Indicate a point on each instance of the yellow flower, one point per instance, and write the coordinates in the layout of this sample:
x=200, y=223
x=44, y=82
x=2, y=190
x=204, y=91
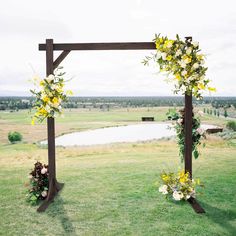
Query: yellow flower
x=212, y=89
x=177, y=76
x=187, y=59
x=42, y=83
x=165, y=177
x=169, y=58
x=157, y=45
x=45, y=99
x=200, y=56
x=55, y=100
x=33, y=121
x=201, y=86
x=42, y=111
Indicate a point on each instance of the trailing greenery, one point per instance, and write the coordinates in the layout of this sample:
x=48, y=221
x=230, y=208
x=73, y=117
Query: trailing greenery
x=14, y=137
x=172, y=114
x=197, y=134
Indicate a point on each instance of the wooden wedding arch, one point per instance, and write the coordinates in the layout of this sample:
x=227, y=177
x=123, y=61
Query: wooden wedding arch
x=51, y=64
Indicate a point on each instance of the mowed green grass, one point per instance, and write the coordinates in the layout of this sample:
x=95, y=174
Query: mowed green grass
x=112, y=189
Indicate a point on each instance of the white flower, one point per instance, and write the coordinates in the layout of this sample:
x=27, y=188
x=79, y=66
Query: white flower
x=54, y=87
x=184, y=72
x=158, y=55
x=177, y=195
x=163, y=189
x=163, y=55
x=195, y=65
x=50, y=78
x=195, y=44
x=179, y=121
x=47, y=108
x=178, y=53
x=182, y=64
x=200, y=131
x=202, y=62
x=188, y=51
x=44, y=193
x=187, y=197
x=30, y=176
x=44, y=171
x=193, y=194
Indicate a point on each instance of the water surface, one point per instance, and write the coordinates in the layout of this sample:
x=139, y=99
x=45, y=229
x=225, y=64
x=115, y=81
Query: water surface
x=129, y=133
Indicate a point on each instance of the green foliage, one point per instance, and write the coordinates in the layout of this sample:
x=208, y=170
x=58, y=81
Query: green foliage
x=197, y=134
x=38, y=186
x=14, y=137
x=172, y=114
x=225, y=113
x=231, y=125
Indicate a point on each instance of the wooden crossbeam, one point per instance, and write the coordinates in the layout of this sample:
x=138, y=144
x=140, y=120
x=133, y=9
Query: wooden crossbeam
x=100, y=46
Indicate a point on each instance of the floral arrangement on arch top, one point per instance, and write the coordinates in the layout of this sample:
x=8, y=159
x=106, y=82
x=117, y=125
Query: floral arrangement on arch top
x=50, y=96
x=183, y=63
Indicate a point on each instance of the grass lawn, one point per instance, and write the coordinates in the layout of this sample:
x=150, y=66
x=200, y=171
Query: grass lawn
x=111, y=190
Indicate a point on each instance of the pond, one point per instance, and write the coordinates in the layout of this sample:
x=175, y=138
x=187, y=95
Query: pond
x=129, y=133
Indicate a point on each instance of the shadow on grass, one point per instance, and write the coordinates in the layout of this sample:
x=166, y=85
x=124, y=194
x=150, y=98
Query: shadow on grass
x=58, y=211
x=221, y=217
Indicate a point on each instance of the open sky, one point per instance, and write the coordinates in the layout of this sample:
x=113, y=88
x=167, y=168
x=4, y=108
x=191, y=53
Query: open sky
x=26, y=23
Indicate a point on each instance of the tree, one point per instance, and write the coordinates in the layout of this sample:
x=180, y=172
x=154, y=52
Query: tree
x=225, y=113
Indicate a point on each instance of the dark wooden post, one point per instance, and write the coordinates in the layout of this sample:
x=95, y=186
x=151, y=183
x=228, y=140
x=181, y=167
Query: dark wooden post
x=54, y=186
x=188, y=133
x=188, y=121
x=50, y=123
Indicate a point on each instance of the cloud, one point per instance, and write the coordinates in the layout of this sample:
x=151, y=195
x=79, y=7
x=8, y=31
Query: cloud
x=26, y=23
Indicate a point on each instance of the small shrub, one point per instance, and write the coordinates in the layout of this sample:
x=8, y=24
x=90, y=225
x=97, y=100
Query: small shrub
x=172, y=114
x=14, y=137
x=231, y=125
x=38, y=185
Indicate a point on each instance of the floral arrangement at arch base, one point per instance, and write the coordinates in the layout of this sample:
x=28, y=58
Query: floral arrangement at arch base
x=49, y=96
x=178, y=186
x=38, y=183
